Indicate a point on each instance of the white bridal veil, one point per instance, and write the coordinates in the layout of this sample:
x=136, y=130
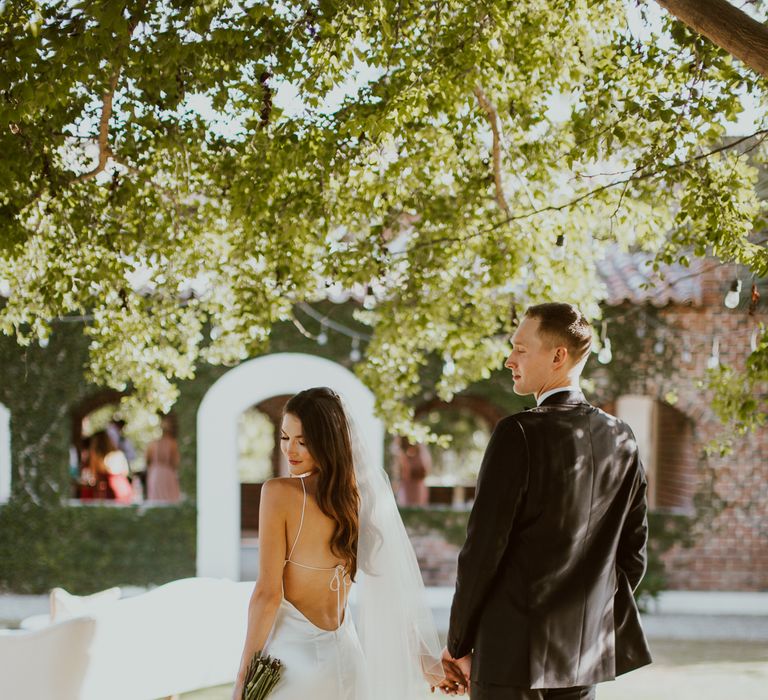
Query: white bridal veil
x=395, y=624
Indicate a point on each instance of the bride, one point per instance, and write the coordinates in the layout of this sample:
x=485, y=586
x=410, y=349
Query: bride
x=331, y=524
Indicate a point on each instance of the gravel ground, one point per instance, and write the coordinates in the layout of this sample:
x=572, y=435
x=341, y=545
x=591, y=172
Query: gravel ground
x=682, y=670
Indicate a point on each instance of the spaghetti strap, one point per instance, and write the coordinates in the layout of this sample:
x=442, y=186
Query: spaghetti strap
x=338, y=583
x=301, y=522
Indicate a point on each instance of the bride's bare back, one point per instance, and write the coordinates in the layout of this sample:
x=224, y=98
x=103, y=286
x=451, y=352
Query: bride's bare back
x=314, y=579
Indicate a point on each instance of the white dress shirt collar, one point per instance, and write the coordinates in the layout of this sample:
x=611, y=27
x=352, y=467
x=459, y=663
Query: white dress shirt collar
x=549, y=393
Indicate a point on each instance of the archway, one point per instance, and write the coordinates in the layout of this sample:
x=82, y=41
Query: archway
x=451, y=472
x=5, y=454
x=218, y=488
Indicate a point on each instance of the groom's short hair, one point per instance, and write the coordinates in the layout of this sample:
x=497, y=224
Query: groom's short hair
x=563, y=324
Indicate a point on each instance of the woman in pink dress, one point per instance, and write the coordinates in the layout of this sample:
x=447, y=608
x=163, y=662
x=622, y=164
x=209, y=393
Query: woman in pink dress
x=162, y=459
x=108, y=469
x=415, y=463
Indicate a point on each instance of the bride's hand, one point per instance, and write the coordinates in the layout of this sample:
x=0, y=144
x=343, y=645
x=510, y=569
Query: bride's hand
x=237, y=692
x=456, y=672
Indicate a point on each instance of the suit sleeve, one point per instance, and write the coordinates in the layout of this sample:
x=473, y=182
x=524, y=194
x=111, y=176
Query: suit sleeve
x=501, y=484
x=631, y=556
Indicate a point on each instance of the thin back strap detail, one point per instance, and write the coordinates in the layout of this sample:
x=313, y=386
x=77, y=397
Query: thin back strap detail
x=301, y=522
x=338, y=583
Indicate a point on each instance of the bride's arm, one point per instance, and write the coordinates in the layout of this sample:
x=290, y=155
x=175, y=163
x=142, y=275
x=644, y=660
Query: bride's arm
x=268, y=591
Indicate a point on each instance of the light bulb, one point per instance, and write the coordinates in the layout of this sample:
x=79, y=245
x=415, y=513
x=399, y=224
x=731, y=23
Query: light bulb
x=558, y=252
x=369, y=300
x=337, y=294
x=714, y=360
x=732, y=298
x=605, y=355
x=686, y=356
x=322, y=338
x=658, y=346
x=354, y=353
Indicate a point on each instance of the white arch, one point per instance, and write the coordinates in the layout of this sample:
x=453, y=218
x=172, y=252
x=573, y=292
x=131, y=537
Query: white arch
x=218, y=495
x=5, y=454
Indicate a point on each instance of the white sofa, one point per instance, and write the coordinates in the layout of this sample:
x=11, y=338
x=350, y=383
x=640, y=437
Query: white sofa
x=176, y=638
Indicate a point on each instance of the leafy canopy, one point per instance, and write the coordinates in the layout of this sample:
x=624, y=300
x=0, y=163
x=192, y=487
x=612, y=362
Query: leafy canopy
x=155, y=179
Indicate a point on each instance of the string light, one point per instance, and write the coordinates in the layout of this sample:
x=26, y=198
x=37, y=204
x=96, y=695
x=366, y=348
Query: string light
x=322, y=337
x=714, y=359
x=558, y=252
x=369, y=300
x=732, y=297
x=337, y=294
x=605, y=355
x=354, y=353
x=686, y=356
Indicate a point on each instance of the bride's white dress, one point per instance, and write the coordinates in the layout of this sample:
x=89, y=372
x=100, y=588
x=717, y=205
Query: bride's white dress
x=317, y=663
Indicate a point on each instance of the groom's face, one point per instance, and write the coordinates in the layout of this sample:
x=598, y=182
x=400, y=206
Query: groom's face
x=530, y=359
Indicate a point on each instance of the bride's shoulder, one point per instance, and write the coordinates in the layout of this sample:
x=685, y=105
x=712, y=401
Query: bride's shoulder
x=275, y=501
x=278, y=490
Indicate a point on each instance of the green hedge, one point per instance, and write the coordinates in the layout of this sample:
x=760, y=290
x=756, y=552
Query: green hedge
x=88, y=548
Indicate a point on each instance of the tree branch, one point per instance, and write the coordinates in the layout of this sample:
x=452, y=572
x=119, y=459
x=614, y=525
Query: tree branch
x=726, y=26
x=493, y=120
x=635, y=177
x=105, y=150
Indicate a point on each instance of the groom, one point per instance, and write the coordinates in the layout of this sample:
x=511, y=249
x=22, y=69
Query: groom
x=556, y=540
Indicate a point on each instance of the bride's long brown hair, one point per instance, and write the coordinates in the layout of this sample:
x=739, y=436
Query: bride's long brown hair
x=327, y=437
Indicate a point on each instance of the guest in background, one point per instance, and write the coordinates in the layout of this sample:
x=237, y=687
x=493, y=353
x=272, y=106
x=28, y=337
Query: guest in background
x=109, y=468
x=415, y=463
x=85, y=478
x=162, y=459
x=116, y=431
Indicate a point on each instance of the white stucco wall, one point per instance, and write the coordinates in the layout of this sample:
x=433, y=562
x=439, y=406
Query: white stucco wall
x=218, y=487
x=5, y=454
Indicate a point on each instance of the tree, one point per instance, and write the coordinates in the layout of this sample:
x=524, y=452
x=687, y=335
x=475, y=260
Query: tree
x=728, y=27
x=156, y=183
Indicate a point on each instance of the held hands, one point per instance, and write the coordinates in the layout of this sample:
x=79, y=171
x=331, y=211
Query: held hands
x=457, y=673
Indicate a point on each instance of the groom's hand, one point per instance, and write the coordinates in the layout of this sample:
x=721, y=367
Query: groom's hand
x=456, y=674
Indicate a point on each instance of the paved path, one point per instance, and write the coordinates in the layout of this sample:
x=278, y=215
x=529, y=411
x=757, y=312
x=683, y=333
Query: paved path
x=682, y=671
x=706, y=646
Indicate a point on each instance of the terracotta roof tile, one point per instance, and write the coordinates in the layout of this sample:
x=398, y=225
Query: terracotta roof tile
x=629, y=277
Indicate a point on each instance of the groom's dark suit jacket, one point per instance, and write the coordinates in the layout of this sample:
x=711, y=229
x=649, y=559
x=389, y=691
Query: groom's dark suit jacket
x=556, y=544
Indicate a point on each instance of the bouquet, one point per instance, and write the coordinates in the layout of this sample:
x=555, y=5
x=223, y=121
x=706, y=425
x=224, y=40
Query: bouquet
x=262, y=676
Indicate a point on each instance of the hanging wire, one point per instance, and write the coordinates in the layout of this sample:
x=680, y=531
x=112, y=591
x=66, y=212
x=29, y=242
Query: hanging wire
x=330, y=323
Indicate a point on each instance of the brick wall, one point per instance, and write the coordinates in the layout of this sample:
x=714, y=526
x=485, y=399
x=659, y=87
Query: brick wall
x=437, y=558
x=730, y=549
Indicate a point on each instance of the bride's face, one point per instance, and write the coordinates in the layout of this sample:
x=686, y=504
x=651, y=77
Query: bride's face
x=293, y=445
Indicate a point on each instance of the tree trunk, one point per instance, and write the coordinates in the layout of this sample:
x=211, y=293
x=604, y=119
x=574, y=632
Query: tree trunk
x=727, y=27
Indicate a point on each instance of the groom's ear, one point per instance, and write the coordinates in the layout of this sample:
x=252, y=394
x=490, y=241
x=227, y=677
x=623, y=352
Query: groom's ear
x=560, y=357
